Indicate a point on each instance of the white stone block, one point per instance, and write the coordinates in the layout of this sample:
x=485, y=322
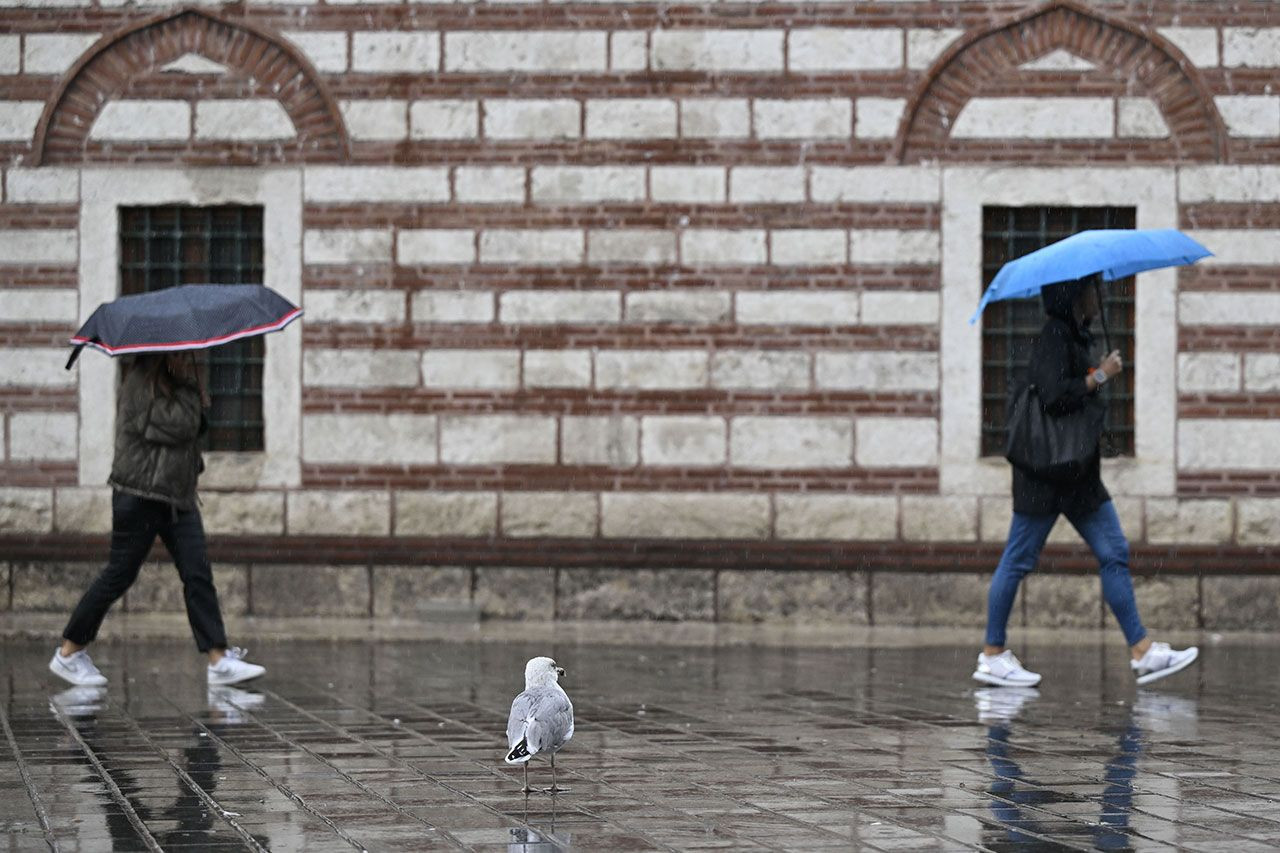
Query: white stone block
x=466, y=514
x=651, y=369
x=688, y=184
x=1200, y=44
x=1262, y=372
x=631, y=118
x=429, y=247
x=714, y=118
x=333, y=184
x=1036, y=118
x=1208, y=371
x=715, y=247
x=359, y=368
x=1242, y=47
x=544, y=119
x=845, y=49
x=10, y=54
x=749, y=184
x=1229, y=183
x=248, y=119
x=487, y=369
x=124, y=121
x=876, y=184
x=797, y=307
x=549, y=514
x=896, y=370
x=1189, y=522
x=53, y=54
x=629, y=50
x=39, y=305
x=26, y=510
x=38, y=246
x=194, y=63
x=327, y=51
x=612, y=440
x=452, y=306
x=678, y=306
x=18, y=120
x=242, y=513
x=924, y=46
x=841, y=517
x=717, y=50
x=49, y=185
x=996, y=515
x=554, y=52
x=929, y=518
x=387, y=52
x=582, y=184
x=444, y=119
x=549, y=246
x=631, y=246
x=1258, y=521
x=43, y=435
x=36, y=367
x=332, y=513
x=347, y=246
x=375, y=121
x=899, y=308
x=1226, y=444
x=88, y=510
x=885, y=442
x=684, y=515
x=546, y=307
x=808, y=247
x=1238, y=246
x=791, y=442
x=1229, y=309
x=814, y=118
x=355, y=306
x=550, y=368
x=489, y=184
x=1058, y=59
x=1250, y=116
x=1140, y=118
x=775, y=370
x=682, y=440
x=384, y=439
x=878, y=118
x=497, y=440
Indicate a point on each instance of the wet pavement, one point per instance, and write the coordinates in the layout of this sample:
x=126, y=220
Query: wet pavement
x=398, y=746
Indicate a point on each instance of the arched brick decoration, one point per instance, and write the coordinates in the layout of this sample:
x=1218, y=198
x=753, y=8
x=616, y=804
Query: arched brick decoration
x=1156, y=68
x=273, y=65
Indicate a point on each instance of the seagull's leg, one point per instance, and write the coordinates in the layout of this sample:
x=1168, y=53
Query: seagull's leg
x=554, y=787
x=527, y=789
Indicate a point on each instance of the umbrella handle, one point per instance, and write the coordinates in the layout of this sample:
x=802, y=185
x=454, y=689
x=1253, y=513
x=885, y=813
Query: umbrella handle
x=75, y=353
x=1102, y=315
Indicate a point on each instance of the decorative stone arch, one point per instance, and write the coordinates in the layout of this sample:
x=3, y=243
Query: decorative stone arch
x=1163, y=72
x=107, y=67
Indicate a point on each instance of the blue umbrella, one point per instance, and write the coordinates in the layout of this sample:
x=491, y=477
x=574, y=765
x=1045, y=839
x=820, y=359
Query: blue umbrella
x=1111, y=253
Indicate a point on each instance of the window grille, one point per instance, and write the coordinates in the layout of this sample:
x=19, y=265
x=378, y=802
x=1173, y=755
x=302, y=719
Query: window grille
x=164, y=246
x=1009, y=328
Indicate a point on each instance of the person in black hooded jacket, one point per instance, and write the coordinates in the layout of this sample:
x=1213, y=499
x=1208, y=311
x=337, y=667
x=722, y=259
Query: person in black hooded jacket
x=1066, y=381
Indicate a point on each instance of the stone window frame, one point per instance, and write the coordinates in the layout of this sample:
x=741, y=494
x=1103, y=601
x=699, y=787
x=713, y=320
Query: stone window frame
x=965, y=190
x=279, y=191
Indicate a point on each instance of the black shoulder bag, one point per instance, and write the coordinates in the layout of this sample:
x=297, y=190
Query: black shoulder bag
x=1047, y=446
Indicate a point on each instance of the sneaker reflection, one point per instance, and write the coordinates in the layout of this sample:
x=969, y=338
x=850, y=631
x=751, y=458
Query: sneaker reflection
x=79, y=701
x=231, y=705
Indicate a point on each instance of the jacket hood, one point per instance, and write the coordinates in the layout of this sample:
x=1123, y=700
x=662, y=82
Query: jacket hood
x=1059, y=302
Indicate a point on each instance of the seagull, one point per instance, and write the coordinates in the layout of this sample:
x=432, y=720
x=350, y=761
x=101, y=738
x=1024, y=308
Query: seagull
x=541, y=718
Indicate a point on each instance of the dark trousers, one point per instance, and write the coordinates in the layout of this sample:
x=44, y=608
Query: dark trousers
x=135, y=523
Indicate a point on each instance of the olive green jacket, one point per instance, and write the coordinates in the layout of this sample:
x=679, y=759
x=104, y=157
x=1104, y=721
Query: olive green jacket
x=156, y=453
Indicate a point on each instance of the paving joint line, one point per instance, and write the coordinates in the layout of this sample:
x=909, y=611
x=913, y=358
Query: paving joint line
x=41, y=815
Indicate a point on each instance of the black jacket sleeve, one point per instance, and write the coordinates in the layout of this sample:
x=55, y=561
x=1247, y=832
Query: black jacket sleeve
x=175, y=419
x=1051, y=370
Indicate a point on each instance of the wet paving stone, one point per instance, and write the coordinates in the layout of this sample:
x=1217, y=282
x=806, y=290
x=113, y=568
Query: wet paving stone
x=397, y=746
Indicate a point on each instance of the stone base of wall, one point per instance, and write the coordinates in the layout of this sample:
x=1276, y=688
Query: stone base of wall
x=847, y=597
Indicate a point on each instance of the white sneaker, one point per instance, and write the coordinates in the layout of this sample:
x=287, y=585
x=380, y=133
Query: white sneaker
x=233, y=669
x=1161, y=661
x=77, y=668
x=1004, y=670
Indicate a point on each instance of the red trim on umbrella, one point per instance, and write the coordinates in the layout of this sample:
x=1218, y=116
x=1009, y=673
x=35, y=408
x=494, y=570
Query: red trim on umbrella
x=177, y=346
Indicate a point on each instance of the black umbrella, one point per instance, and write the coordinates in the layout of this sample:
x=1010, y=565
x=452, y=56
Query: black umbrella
x=190, y=316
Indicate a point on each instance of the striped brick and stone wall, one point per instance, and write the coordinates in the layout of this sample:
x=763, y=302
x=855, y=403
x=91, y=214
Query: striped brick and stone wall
x=624, y=309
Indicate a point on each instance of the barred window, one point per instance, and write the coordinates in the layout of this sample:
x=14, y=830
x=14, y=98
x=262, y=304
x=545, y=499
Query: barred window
x=1009, y=328
x=164, y=246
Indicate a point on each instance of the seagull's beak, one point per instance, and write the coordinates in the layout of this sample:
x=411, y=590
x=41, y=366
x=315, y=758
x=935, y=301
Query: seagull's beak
x=559, y=672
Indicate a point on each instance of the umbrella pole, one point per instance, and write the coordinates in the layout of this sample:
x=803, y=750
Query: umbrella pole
x=1102, y=316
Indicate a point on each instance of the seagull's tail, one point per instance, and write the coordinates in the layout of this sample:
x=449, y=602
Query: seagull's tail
x=519, y=753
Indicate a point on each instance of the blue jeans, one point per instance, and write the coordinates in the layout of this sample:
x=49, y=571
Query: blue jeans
x=1027, y=534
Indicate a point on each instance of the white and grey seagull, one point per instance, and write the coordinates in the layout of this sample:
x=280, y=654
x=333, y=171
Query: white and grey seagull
x=541, y=718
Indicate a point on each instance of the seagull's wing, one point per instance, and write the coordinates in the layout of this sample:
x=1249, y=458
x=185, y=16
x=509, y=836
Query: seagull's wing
x=521, y=710
x=552, y=723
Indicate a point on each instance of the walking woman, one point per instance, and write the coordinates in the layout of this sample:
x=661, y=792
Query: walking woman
x=1060, y=369
x=159, y=420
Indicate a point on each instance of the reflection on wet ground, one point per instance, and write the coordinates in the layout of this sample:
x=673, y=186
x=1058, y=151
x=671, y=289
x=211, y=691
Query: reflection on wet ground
x=398, y=746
